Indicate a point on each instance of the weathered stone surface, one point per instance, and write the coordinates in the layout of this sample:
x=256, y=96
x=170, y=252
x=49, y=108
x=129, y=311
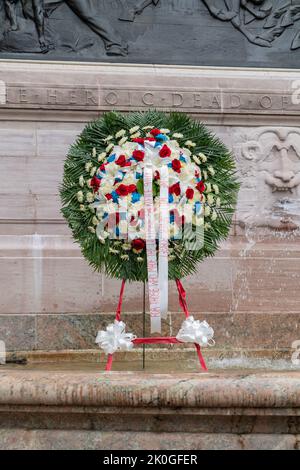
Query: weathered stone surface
x=82, y=409
x=19, y=439
x=18, y=332
x=83, y=388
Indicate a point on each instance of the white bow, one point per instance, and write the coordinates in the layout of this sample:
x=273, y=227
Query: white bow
x=194, y=331
x=115, y=338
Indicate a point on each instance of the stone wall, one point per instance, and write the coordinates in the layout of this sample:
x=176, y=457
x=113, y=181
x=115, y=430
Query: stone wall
x=50, y=299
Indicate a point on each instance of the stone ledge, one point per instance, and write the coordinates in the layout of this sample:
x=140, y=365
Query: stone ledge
x=137, y=390
x=80, y=409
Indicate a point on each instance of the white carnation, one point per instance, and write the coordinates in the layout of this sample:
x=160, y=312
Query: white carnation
x=208, y=187
x=90, y=197
x=216, y=188
x=214, y=215
x=109, y=147
x=207, y=211
x=81, y=181
x=95, y=221
x=126, y=247
x=177, y=135
x=120, y=133
x=80, y=196
x=88, y=166
x=134, y=129
x=189, y=143
x=210, y=199
x=123, y=140
x=203, y=157
x=101, y=156
x=136, y=135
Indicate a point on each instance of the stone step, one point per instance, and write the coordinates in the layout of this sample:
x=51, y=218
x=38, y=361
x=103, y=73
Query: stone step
x=80, y=408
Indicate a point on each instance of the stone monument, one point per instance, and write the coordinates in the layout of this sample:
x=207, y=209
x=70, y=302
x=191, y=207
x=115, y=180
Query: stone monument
x=64, y=62
x=233, y=64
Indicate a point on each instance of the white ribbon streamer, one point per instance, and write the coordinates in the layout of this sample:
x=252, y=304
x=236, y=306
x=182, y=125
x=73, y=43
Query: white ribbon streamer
x=114, y=338
x=164, y=240
x=194, y=331
x=154, y=292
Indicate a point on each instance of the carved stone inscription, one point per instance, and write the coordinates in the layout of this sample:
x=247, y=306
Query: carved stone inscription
x=196, y=32
x=186, y=99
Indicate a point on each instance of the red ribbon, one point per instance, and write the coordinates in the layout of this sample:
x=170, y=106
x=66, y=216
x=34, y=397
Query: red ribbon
x=163, y=340
x=182, y=298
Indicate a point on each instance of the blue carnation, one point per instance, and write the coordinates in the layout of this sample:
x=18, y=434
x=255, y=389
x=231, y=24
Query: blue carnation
x=111, y=158
x=182, y=158
x=171, y=198
x=115, y=196
x=172, y=218
x=138, y=176
x=162, y=137
x=135, y=197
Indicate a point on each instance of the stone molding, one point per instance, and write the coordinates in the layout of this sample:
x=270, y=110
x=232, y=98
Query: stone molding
x=101, y=87
x=273, y=390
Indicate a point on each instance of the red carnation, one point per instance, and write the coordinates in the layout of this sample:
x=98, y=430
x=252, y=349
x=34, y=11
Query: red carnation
x=176, y=165
x=201, y=187
x=155, y=132
x=165, y=152
x=189, y=193
x=131, y=188
x=138, y=244
x=138, y=155
x=175, y=189
x=102, y=167
x=122, y=190
x=150, y=139
x=156, y=175
x=95, y=183
x=139, y=140
x=121, y=161
x=108, y=196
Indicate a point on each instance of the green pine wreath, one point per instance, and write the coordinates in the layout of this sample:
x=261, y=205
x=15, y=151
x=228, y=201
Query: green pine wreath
x=105, y=165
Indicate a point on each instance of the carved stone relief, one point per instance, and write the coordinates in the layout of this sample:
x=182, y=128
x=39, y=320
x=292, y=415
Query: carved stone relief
x=197, y=32
x=274, y=18
x=270, y=173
